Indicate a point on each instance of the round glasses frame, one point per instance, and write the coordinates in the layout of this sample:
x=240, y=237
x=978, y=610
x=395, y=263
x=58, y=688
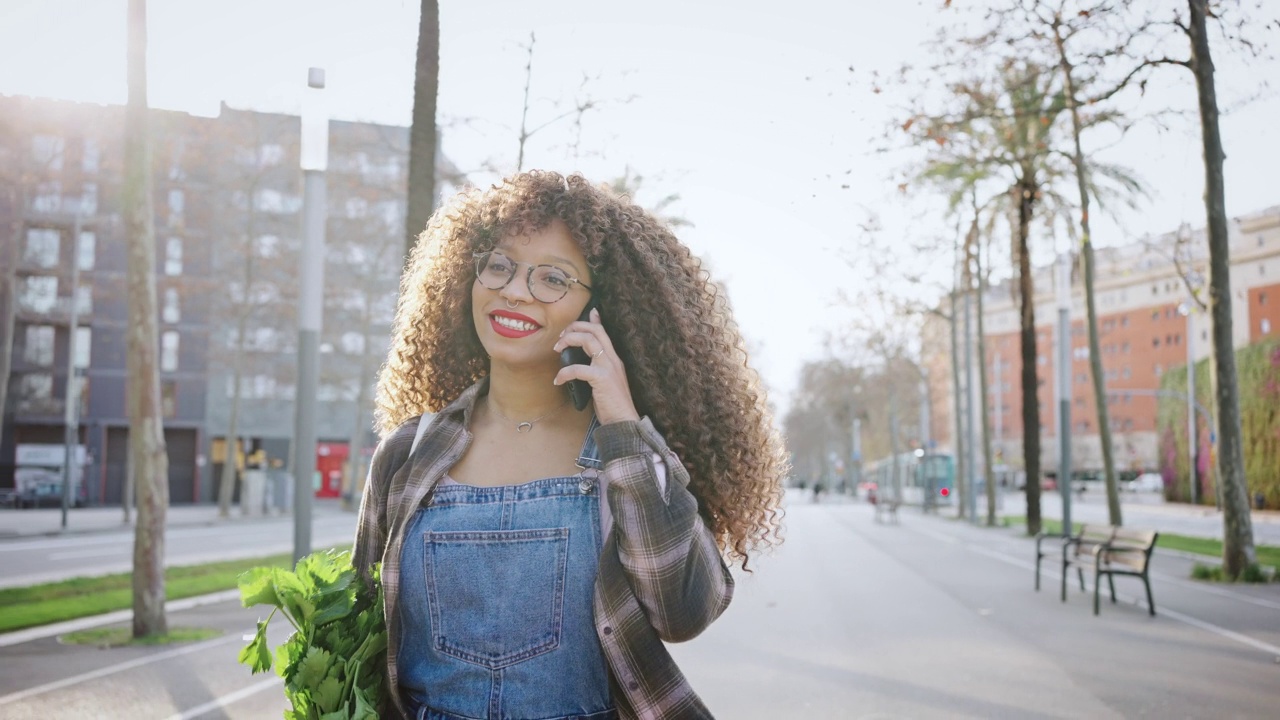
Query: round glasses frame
x=482, y=262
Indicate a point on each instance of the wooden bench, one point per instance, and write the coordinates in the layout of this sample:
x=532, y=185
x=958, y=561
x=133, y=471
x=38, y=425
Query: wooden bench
x=1110, y=551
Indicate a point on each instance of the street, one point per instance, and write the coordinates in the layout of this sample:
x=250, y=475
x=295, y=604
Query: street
x=929, y=618
x=102, y=546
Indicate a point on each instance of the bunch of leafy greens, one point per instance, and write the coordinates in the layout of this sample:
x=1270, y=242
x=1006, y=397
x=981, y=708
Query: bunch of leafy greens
x=334, y=664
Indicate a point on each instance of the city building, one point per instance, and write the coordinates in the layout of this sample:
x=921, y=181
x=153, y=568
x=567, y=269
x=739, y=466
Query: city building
x=228, y=225
x=1143, y=292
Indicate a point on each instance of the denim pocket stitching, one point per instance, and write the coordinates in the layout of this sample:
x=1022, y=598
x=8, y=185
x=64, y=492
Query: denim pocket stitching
x=540, y=645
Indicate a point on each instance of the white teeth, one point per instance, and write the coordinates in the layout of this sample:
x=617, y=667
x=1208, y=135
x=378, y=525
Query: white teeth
x=514, y=324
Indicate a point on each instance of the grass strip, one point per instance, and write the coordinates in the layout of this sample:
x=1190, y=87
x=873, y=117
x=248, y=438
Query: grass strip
x=1267, y=554
x=123, y=636
x=24, y=607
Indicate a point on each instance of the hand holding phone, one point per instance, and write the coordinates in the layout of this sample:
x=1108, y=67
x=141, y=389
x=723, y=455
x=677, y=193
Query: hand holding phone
x=579, y=390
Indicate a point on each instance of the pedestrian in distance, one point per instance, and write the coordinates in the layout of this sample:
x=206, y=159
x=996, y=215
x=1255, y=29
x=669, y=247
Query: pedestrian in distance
x=535, y=556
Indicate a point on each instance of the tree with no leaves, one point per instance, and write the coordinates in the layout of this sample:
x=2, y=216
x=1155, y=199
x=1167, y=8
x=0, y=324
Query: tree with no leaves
x=148, y=458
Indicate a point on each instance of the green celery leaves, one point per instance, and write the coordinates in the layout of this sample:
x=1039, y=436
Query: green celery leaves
x=334, y=663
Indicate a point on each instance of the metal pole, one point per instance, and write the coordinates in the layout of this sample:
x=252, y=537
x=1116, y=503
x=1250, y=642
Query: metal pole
x=857, y=452
x=971, y=493
x=71, y=409
x=1064, y=390
x=315, y=140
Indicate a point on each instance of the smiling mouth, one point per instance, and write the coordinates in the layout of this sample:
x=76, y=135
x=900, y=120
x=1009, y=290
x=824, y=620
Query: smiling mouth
x=514, y=324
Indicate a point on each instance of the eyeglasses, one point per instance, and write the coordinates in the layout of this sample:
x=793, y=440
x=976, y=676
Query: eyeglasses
x=547, y=283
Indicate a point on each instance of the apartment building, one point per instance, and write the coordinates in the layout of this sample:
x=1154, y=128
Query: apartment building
x=1143, y=292
x=228, y=219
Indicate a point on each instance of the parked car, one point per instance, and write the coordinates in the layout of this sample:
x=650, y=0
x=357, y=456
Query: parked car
x=1148, y=482
x=38, y=487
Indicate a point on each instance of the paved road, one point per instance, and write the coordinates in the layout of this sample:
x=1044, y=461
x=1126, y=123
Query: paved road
x=100, y=545
x=930, y=618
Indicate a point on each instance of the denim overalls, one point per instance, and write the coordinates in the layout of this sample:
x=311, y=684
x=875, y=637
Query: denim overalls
x=496, y=605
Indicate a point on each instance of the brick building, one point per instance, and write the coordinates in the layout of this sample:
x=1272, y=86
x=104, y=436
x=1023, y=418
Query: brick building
x=1140, y=294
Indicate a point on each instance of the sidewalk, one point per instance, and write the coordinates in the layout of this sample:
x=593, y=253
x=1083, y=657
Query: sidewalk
x=16, y=524
x=1140, y=510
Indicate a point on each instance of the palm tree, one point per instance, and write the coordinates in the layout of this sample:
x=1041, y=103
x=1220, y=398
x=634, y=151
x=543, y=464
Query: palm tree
x=422, y=134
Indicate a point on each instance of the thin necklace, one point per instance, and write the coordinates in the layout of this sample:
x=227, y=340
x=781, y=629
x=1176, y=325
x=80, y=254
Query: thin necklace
x=527, y=425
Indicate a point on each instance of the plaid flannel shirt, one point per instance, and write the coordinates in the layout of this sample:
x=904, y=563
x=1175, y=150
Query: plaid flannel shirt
x=661, y=576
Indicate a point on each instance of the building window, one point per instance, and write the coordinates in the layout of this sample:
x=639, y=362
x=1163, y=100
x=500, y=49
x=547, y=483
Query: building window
x=1155, y=342
x=169, y=351
x=173, y=256
x=353, y=343
x=86, y=250
x=1262, y=269
x=1159, y=370
x=268, y=246
x=90, y=156
x=42, y=248
x=84, y=346
x=35, y=391
x=39, y=348
x=1266, y=326
x=47, y=151
x=1124, y=348
x=1124, y=373
x=48, y=197
x=270, y=154
x=1262, y=298
x=171, y=313
x=89, y=198
x=39, y=294
x=84, y=299
x=177, y=204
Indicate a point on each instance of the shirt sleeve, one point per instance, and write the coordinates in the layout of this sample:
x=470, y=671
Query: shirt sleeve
x=667, y=551
x=371, y=526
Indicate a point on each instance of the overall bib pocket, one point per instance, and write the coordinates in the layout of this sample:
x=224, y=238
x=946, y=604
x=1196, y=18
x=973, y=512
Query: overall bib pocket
x=496, y=597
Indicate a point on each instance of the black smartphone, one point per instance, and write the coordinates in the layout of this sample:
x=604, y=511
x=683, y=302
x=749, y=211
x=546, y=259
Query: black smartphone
x=579, y=390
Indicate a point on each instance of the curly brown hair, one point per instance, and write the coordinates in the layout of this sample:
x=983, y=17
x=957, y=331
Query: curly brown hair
x=670, y=324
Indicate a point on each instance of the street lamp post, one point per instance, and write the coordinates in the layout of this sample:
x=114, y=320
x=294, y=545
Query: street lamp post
x=71, y=410
x=314, y=159
x=1193, y=439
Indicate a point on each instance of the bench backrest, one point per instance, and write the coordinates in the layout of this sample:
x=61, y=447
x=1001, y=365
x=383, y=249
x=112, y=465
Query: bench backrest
x=1132, y=548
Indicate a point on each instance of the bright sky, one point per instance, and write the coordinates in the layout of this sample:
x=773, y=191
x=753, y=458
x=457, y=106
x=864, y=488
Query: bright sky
x=746, y=109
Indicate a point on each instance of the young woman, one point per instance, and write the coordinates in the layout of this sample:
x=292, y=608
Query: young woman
x=535, y=557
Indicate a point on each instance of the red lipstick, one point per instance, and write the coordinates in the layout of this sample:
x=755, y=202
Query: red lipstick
x=512, y=332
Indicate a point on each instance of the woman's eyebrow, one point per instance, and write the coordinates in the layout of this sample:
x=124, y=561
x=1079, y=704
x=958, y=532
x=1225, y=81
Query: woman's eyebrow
x=506, y=249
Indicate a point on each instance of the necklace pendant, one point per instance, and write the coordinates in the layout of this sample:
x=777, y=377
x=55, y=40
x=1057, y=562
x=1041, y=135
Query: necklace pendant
x=524, y=427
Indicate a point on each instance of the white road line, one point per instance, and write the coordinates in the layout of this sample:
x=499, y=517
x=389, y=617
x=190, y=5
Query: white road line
x=125, y=536
x=225, y=700
x=113, y=669
x=81, y=554
x=1164, y=609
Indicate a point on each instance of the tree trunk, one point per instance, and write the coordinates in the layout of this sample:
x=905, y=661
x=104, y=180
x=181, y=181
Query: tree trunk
x=227, y=484
x=1086, y=244
x=960, y=478
x=1026, y=190
x=146, y=434
x=422, y=134
x=1237, y=536
x=987, y=466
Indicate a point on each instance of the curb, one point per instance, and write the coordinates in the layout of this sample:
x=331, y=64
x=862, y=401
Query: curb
x=17, y=637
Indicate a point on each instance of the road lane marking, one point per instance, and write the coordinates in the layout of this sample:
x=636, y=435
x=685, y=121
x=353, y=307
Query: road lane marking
x=1164, y=609
x=113, y=669
x=225, y=700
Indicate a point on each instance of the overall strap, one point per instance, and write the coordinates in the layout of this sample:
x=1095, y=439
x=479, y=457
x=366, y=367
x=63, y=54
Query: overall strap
x=589, y=455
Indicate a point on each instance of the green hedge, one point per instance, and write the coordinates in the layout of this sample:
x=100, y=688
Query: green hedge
x=1258, y=374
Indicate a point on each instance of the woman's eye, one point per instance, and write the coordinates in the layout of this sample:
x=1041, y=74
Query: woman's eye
x=556, y=278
